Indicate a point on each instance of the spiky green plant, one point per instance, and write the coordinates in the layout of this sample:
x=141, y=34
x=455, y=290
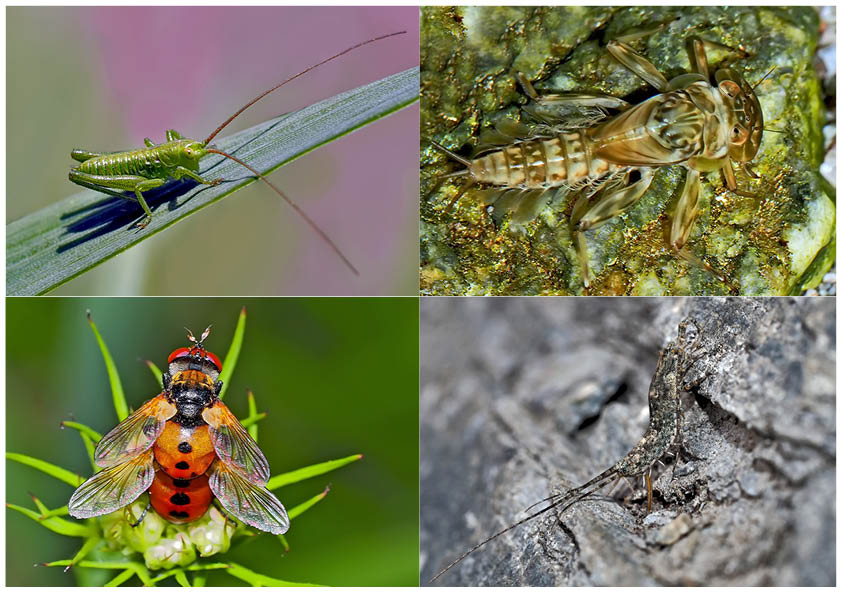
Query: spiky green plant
x=155, y=549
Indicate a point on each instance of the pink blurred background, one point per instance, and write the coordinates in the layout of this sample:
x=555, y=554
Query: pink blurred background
x=105, y=78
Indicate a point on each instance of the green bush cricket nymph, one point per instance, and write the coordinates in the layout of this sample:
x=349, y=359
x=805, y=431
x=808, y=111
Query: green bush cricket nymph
x=141, y=170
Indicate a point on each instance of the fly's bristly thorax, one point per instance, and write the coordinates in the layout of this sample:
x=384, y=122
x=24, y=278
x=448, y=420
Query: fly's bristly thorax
x=194, y=373
x=193, y=363
x=190, y=401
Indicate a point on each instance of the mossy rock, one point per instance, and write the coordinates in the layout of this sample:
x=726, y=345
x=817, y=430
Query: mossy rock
x=778, y=241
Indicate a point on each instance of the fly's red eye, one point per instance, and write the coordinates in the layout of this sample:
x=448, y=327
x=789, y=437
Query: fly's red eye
x=180, y=352
x=212, y=357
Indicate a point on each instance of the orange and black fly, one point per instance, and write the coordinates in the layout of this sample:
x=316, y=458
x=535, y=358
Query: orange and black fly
x=184, y=447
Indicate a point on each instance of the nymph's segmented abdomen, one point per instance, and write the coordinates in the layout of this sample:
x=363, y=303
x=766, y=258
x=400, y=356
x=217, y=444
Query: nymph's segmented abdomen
x=564, y=159
x=142, y=162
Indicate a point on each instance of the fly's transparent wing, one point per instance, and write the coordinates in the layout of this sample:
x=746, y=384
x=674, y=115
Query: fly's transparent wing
x=113, y=488
x=234, y=445
x=252, y=504
x=135, y=434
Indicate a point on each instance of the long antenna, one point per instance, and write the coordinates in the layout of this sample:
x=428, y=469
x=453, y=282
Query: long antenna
x=306, y=70
x=298, y=209
x=757, y=84
x=600, y=482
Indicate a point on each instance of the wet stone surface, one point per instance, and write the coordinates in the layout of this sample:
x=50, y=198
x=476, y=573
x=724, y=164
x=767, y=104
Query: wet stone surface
x=778, y=241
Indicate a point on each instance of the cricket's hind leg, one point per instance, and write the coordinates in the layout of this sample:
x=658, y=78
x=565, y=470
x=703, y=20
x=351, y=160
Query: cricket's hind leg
x=137, y=184
x=83, y=155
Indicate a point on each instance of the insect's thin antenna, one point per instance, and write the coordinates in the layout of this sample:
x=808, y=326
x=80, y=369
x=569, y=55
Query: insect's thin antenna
x=298, y=209
x=757, y=84
x=306, y=70
x=492, y=538
x=773, y=130
x=205, y=334
x=190, y=336
x=564, y=500
x=452, y=155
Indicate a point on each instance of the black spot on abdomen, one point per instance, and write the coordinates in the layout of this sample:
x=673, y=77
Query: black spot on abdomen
x=179, y=514
x=185, y=447
x=182, y=465
x=181, y=483
x=180, y=499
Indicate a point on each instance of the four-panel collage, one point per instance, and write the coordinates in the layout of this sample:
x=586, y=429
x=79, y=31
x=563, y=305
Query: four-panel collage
x=420, y=296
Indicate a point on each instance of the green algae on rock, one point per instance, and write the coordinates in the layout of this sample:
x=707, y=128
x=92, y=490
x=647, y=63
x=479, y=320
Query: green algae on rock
x=779, y=240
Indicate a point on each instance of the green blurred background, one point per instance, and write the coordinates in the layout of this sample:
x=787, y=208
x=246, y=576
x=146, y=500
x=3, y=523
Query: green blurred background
x=336, y=376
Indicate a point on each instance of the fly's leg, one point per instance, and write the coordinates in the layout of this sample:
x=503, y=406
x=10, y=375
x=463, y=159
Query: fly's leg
x=137, y=184
x=228, y=519
x=682, y=224
x=142, y=515
x=606, y=207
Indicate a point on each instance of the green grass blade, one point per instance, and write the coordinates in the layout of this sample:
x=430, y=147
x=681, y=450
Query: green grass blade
x=192, y=568
x=64, y=475
x=261, y=580
x=230, y=361
x=56, y=512
x=51, y=246
x=156, y=372
x=309, y=471
x=252, y=427
x=56, y=524
x=120, y=578
x=42, y=508
x=136, y=567
x=46, y=512
x=181, y=579
x=117, y=394
x=252, y=419
x=89, y=438
x=83, y=429
x=305, y=506
x=89, y=544
x=91, y=450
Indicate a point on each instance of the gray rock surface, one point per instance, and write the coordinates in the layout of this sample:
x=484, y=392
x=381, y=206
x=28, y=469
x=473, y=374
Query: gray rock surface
x=525, y=397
